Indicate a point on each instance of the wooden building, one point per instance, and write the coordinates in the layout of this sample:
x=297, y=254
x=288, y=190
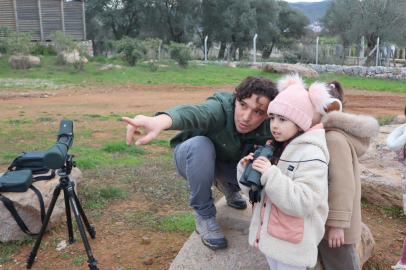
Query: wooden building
x=44, y=16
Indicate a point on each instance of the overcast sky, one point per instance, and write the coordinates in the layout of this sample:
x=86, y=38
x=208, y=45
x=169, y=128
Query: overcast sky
x=294, y=1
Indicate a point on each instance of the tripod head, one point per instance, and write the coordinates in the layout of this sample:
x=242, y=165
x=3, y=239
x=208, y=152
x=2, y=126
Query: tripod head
x=66, y=169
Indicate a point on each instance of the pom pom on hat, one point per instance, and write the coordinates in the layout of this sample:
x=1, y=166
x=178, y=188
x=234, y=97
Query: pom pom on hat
x=319, y=96
x=290, y=80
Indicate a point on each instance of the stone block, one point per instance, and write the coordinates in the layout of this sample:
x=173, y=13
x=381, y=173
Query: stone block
x=27, y=206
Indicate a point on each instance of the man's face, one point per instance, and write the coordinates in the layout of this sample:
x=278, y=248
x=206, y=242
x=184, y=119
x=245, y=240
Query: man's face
x=250, y=113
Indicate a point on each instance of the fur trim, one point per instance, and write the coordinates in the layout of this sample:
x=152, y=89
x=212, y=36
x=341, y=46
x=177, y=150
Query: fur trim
x=319, y=96
x=289, y=80
x=361, y=126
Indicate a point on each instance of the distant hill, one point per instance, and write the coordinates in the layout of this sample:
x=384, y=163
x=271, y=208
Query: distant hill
x=314, y=10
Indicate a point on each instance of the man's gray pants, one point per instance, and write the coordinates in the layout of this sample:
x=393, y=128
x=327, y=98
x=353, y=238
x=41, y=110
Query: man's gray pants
x=195, y=160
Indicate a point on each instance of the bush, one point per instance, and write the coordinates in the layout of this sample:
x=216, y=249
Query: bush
x=39, y=49
x=130, y=49
x=4, y=32
x=63, y=43
x=17, y=43
x=180, y=53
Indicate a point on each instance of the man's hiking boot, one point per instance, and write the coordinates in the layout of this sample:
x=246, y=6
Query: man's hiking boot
x=234, y=198
x=210, y=232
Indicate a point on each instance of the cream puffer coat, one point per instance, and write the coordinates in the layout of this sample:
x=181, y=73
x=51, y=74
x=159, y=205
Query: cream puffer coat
x=288, y=223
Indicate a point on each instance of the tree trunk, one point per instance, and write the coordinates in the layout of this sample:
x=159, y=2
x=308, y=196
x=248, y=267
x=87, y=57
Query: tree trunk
x=241, y=54
x=267, y=51
x=233, y=50
x=222, y=50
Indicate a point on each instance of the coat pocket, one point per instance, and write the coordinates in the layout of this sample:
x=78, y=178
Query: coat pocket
x=285, y=227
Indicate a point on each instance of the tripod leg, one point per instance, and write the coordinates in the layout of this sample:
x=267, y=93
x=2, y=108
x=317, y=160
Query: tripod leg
x=92, y=262
x=90, y=229
x=33, y=253
x=68, y=217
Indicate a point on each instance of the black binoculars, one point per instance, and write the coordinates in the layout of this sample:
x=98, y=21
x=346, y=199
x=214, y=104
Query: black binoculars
x=252, y=177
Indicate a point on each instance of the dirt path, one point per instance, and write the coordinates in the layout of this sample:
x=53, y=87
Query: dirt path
x=149, y=98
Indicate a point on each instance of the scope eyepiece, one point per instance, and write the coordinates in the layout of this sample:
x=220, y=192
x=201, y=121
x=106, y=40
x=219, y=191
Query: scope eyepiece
x=55, y=157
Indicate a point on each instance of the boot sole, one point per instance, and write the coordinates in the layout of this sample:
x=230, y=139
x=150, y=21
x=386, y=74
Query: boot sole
x=211, y=246
x=240, y=207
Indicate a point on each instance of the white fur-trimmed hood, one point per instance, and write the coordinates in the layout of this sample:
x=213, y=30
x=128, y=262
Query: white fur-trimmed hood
x=361, y=126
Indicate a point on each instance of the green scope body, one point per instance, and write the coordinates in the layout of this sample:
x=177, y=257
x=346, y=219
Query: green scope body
x=55, y=157
x=250, y=176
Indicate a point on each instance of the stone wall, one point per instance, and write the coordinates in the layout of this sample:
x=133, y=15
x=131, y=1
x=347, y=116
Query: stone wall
x=398, y=73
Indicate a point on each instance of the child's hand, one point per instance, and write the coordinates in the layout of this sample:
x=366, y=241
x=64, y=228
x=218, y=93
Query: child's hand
x=245, y=160
x=268, y=142
x=261, y=164
x=335, y=237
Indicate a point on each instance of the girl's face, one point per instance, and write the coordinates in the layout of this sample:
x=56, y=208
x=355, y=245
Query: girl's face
x=282, y=128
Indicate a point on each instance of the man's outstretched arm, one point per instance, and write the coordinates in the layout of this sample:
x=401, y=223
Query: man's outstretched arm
x=152, y=126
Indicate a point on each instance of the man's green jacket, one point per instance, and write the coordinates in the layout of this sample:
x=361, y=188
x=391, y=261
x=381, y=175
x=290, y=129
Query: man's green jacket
x=215, y=119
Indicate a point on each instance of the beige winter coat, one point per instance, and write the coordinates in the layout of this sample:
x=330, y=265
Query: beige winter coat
x=288, y=223
x=348, y=137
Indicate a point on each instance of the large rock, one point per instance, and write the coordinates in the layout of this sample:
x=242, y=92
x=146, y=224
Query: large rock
x=23, y=62
x=27, y=206
x=290, y=69
x=73, y=57
x=363, y=249
x=400, y=119
x=380, y=172
x=239, y=254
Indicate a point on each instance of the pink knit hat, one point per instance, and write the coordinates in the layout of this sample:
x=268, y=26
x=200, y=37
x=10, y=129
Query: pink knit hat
x=297, y=104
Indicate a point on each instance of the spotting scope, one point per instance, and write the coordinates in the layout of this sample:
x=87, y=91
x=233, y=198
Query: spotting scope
x=55, y=157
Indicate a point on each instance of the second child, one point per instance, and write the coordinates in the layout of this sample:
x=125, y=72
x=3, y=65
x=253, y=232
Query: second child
x=288, y=221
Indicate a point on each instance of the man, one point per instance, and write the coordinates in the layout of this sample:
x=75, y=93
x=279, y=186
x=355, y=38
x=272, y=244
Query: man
x=215, y=136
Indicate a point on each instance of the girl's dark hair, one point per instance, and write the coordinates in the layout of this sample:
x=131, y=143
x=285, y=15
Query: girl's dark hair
x=278, y=146
x=261, y=86
x=336, y=91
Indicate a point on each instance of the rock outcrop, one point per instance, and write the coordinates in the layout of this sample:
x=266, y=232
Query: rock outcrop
x=23, y=62
x=28, y=207
x=239, y=254
x=279, y=68
x=380, y=172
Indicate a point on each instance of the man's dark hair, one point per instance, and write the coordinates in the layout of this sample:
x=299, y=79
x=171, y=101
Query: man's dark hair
x=261, y=86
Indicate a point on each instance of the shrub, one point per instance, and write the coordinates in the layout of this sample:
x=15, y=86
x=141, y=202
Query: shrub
x=18, y=43
x=80, y=64
x=39, y=49
x=130, y=49
x=63, y=43
x=180, y=53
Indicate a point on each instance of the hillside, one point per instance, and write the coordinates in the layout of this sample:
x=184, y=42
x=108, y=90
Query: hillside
x=314, y=10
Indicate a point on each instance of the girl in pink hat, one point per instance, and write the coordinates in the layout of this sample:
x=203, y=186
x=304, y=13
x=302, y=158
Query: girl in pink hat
x=288, y=220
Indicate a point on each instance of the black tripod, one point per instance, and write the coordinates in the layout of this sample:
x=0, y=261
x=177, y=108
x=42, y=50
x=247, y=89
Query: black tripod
x=69, y=193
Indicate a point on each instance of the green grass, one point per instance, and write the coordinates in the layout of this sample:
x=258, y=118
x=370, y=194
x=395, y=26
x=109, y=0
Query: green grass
x=385, y=120
x=7, y=250
x=195, y=75
x=147, y=220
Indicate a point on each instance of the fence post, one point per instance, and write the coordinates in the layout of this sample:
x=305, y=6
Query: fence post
x=377, y=51
x=361, y=53
x=205, y=49
x=255, y=47
x=317, y=51
x=159, y=51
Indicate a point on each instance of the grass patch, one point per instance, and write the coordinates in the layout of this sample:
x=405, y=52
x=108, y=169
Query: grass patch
x=121, y=146
x=147, y=220
x=385, y=120
x=161, y=142
x=45, y=119
x=8, y=250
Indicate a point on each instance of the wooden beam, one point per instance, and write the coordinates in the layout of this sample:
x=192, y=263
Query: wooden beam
x=15, y=14
x=84, y=20
x=63, y=17
x=40, y=20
